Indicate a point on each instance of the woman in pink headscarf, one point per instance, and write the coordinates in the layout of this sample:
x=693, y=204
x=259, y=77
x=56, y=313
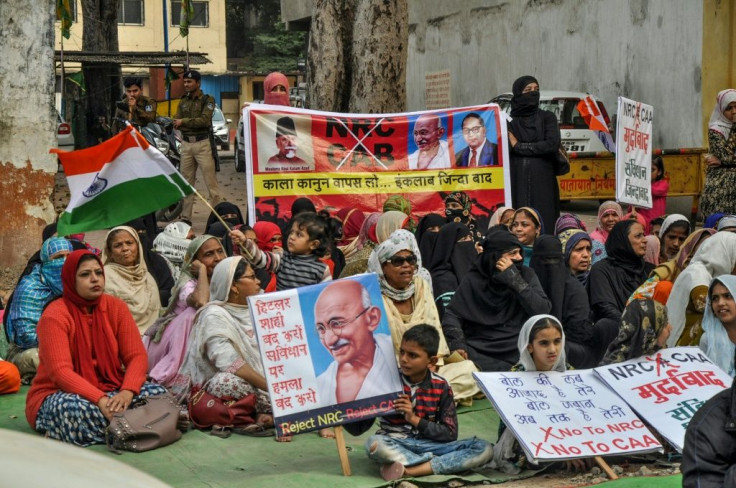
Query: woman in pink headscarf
x=276, y=87
x=609, y=214
x=352, y=221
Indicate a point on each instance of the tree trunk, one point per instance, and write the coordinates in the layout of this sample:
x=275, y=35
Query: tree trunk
x=100, y=34
x=357, y=56
x=27, y=130
x=379, y=56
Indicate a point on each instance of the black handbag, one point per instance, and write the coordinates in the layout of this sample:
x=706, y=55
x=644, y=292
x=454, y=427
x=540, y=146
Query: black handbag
x=562, y=161
x=145, y=427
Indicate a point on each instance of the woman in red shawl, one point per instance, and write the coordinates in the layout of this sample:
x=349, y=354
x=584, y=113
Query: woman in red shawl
x=93, y=363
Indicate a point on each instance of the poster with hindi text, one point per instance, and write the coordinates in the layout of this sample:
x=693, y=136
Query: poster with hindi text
x=358, y=160
x=316, y=343
x=667, y=388
x=634, y=153
x=557, y=416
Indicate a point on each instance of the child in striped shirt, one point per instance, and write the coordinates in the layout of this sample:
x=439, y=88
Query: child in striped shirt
x=299, y=265
x=422, y=438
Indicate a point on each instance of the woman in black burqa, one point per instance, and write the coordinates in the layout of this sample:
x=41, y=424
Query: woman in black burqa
x=495, y=298
x=534, y=139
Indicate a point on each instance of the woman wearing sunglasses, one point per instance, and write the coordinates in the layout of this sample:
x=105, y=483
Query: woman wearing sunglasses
x=408, y=300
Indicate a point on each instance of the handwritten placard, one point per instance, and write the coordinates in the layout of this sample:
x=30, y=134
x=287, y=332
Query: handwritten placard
x=634, y=153
x=311, y=338
x=568, y=415
x=667, y=388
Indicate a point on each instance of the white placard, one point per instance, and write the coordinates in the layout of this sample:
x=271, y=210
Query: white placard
x=567, y=415
x=634, y=153
x=667, y=388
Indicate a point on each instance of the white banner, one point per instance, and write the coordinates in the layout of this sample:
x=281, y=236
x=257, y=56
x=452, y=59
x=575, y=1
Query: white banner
x=565, y=415
x=667, y=388
x=634, y=153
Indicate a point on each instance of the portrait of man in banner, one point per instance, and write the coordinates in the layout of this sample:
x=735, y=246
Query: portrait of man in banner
x=282, y=147
x=432, y=151
x=364, y=364
x=480, y=151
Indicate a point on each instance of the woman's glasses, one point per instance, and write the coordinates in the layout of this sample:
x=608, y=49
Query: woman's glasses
x=399, y=261
x=248, y=277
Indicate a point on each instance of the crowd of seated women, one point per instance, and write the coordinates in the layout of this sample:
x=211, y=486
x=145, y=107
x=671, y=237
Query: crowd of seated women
x=96, y=333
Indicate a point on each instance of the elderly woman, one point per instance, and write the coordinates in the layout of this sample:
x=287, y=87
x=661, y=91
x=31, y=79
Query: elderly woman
x=167, y=339
x=493, y=301
x=33, y=293
x=128, y=277
x=576, y=253
x=686, y=302
x=93, y=363
x=408, y=301
x=223, y=356
x=614, y=279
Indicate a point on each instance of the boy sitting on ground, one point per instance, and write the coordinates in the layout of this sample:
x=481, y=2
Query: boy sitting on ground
x=422, y=439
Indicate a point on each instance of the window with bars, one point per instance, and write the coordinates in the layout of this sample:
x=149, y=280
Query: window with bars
x=130, y=12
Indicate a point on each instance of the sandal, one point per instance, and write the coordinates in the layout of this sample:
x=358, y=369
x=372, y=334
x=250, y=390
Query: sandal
x=254, y=430
x=221, y=431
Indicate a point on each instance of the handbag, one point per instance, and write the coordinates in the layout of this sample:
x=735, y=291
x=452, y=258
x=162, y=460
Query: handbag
x=145, y=427
x=206, y=410
x=562, y=161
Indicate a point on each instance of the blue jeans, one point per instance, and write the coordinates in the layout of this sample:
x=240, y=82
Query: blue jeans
x=443, y=457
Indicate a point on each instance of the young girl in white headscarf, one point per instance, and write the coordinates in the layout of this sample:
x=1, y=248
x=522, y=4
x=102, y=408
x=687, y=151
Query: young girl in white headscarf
x=541, y=348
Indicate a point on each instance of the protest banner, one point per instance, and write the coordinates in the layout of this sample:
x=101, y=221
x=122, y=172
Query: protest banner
x=667, y=388
x=634, y=153
x=557, y=416
x=358, y=160
x=309, y=338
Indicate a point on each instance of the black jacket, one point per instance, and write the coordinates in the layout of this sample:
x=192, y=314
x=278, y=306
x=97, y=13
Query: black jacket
x=709, y=454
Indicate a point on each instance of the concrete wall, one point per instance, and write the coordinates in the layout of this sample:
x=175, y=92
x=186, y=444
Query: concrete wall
x=646, y=50
x=150, y=35
x=27, y=128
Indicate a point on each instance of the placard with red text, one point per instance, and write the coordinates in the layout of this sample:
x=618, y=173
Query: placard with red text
x=667, y=388
x=569, y=415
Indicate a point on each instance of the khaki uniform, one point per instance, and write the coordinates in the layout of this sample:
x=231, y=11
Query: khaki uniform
x=195, y=112
x=143, y=113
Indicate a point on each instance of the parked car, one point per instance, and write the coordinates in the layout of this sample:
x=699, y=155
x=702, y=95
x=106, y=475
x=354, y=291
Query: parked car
x=64, y=136
x=221, y=129
x=576, y=136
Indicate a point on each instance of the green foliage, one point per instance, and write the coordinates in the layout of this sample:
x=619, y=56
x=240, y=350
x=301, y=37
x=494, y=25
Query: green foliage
x=277, y=50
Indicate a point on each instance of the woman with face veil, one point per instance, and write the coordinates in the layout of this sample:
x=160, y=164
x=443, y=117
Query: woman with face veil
x=534, y=139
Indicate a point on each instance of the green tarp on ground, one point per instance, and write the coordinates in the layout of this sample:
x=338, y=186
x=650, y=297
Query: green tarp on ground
x=200, y=460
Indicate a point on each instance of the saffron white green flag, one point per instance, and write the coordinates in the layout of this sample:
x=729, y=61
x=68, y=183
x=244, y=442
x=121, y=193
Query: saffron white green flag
x=117, y=181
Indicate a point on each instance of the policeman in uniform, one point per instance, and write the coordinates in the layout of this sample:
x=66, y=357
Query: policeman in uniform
x=135, y=106
x=194, y=119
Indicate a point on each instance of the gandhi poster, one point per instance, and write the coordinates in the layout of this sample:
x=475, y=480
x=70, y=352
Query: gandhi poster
x=327, y=353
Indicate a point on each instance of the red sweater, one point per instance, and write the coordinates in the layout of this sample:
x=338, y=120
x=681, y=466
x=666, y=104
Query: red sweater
x=56, y=333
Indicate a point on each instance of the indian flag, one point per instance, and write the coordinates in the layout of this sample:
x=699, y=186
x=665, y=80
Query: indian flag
x=117, y=181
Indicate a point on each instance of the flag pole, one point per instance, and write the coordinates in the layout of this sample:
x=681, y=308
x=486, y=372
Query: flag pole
x=242, y=248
